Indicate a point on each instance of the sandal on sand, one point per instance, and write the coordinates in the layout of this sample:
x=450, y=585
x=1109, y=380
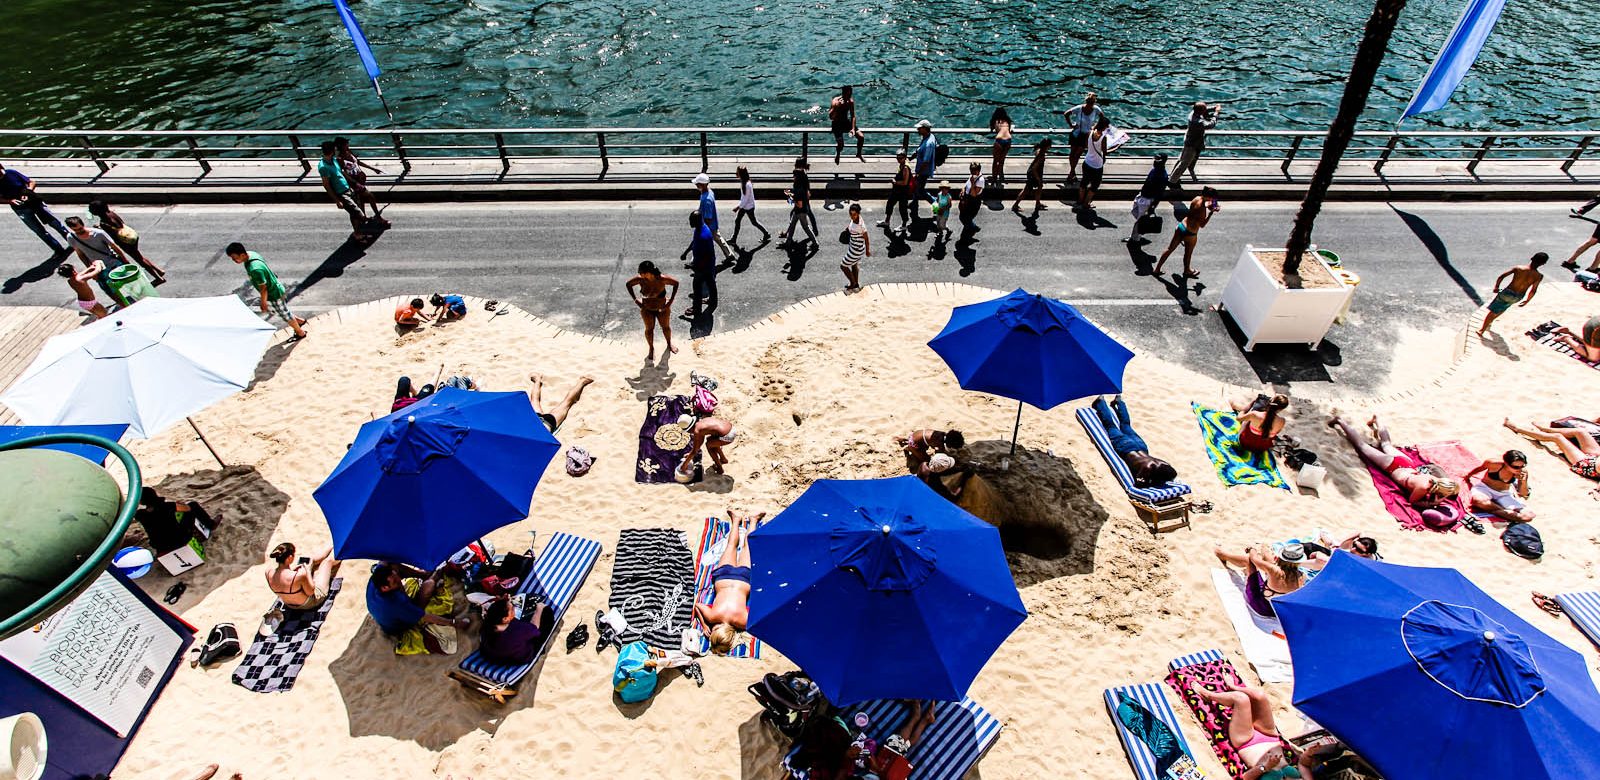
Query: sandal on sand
x=1547, y=604
x=578, y=637
x=490, y=306
x=1473, y=524
x=1202, y=508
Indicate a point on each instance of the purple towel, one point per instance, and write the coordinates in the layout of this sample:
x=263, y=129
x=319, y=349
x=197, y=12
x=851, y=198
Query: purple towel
x=662, y=441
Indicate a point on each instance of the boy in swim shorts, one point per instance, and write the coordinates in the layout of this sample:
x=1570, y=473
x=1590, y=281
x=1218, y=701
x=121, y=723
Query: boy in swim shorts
x=1523, y=284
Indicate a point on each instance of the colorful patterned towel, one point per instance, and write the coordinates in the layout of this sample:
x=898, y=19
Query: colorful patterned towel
x=715, y=536
x=1235, y=466
x=652, y=582
x=663, y=440
x=1395, y=501
x=274, y=661
x=1213, y=672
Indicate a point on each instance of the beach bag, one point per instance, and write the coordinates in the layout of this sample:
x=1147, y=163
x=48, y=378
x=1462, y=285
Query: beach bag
x=704, y=401
x=631, y=681
x=941, y=153
x=220, y=645
x=1442, y=517
x=579, y=461
x=1523, y=541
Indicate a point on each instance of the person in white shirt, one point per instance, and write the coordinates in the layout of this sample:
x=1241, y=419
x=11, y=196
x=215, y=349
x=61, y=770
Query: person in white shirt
x=1081, y=120
x=747, y=206
x=1094, y=163
x=971, y=196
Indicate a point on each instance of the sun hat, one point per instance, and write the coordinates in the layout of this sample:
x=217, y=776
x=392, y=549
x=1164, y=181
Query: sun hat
x=702, y=179
x=944, y=185
x=1292, y=553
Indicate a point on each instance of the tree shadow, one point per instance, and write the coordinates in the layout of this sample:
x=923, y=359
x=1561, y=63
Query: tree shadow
x=1441, y=254
x=1286, y=363
x=38, y=273
x=796, y=255
x=246, y=508
x=333, y=267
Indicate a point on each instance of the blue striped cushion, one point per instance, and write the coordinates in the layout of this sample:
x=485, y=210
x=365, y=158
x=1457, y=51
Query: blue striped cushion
x=960, y=734
x=1584, y=610
x=1097, y=433
x=1204, y=656
x=1153, y=699
x=558, y=572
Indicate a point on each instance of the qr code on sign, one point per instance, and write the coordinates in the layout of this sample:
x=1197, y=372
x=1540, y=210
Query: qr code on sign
x=146, y=674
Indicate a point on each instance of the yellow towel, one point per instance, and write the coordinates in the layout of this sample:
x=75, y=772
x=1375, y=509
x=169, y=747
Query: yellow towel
x=443, y=605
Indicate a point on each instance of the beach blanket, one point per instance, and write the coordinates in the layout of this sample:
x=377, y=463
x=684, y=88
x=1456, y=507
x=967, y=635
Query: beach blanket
x=663, y=440
x=1235, y=466
x=1394, y=499
x=273, y=662
x=1452, y=456
x=715, y=536
x=1209, y=670
x=652, y=584
x=1541, y=335
x=1261, y=637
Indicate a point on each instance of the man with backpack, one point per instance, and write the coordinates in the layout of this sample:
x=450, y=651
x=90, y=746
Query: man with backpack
x=929, y=156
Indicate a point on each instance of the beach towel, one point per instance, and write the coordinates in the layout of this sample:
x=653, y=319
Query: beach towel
x=1261, y=637
x=652, y=584
x=715, y=536
x=1235, y=466
x=1452, y=456
x=663, y=440
x=1210, y=670
x=1150, y=735
x=1394, y=499
x=274, y=661
x=443, y=604
x=1541, y=335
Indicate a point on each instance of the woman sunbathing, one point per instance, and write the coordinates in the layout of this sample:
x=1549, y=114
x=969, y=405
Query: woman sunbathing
x=1576, y=445
x=1260, y=421
x=1423, y=490
x=1129, y=445
x=1253, y=733
x=924, y=443
x=730, y=608
x=1267, y=574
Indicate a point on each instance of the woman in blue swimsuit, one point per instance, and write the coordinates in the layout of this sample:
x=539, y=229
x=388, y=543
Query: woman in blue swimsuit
x=729, y=610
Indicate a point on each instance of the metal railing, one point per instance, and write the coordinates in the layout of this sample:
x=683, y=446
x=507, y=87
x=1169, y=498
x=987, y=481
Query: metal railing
x=510, y=145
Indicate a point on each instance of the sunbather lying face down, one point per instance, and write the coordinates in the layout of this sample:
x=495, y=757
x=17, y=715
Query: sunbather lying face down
x=1147, y=471
x=1423, y=490
x=730, y=608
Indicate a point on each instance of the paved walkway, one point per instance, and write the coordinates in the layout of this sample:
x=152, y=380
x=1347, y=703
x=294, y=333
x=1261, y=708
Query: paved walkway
x=1423, y=266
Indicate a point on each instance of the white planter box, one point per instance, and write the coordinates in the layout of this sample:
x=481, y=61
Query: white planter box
x=1269, y=313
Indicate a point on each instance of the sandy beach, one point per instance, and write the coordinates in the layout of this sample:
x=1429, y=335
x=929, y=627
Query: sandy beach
x=816, y=391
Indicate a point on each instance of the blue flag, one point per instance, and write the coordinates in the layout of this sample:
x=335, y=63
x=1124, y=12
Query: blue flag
x=1456, y=57
x=360, y=40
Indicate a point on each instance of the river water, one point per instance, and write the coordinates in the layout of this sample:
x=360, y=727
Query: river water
x=279, y=64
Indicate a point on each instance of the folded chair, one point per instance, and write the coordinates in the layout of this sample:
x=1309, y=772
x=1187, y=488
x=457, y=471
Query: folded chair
x=1152, y=699
x=558, y=573
x=1164, y=508
x=1584, y=610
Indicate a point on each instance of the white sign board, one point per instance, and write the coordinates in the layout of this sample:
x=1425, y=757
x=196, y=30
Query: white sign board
x=105, y=652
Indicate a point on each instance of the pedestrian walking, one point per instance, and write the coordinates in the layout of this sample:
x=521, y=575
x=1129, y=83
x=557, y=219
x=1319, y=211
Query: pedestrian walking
x=653, y=292
x=1144, y=204
x=857, y=247
x=704, y=266
x=126, y=237
x=338, y=188
x=22, y=193
x=79, y=282
x=352, y=168
x=1081, y=121
x=1201, y=209
x=1571, y=263
x=1035, y=181
x=842, y=119
x=899, y=193
x=1000, y=126
x=927, y=164
x=1094, y=163
x=1585, y=208
x=1201, y=119
x=274, y=297
x=747, y=206
x=800, y=213
x=1522, y=285
x=971, y=196
x=941, y=211
x=95, y=247
x=708, y=214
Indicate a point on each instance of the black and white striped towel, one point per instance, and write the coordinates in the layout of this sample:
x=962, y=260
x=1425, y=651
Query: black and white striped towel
x=652, y=582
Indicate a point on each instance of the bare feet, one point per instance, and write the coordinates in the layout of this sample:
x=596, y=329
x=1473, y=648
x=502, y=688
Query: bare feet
x=672, y=349
x=586, y=380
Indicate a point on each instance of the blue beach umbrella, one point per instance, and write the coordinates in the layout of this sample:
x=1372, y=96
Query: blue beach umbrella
x=1030, y=348
x=1426, y=676
x=422, y=483
x=881, y=589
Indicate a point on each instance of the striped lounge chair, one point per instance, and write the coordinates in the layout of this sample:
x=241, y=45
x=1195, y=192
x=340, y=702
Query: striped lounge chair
x=1584, y=610
x=1163, y=508
x=961, y=733
x=558, y=572
x=1152, y=698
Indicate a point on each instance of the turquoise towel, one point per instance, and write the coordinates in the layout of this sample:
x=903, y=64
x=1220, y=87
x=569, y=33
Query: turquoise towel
x=1235, y=466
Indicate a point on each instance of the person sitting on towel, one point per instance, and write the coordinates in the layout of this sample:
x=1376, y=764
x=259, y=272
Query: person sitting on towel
x=1125, y=441
x=924, y=443
x=413, y=610
x=1268, y=574
x=1260, y=421
x=1253, y=733
x=1318, y=552
x=730, y=578
x=504, y=638
x=1503, y=488
x=302, y=584
x=1423, y=490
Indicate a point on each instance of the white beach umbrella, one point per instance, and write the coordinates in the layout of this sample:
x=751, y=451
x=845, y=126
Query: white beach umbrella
x=149, y=365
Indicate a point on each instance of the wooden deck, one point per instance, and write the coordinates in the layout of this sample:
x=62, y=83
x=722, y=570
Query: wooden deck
x=23, y=330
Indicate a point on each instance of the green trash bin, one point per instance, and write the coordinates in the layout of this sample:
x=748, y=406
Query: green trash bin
x=128, y=282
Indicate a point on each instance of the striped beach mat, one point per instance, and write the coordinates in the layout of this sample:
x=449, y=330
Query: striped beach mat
x=1155, y=728
x=1119, y=468
x=274, y=661
x=1584, y=610
x=1541, y=335
x=961, y=733
x=558, y=572
x=652, y=583
x=1235, y=466
x=715, y=536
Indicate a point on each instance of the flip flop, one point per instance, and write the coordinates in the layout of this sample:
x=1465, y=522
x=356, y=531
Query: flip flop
x=175, y=592
x=1548, y=604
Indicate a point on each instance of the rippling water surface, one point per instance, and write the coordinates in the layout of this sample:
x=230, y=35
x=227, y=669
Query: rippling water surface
x=164, y=64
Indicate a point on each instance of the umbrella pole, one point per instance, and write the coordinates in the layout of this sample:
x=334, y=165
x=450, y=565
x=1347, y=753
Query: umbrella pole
x=1015, y=429
x=202, y=436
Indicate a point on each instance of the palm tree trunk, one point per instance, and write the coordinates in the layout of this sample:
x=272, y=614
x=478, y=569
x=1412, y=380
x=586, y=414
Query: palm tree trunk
x=1374, y=43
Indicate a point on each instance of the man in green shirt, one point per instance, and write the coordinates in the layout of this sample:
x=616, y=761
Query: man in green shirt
x=334, y=182
x=273, y=295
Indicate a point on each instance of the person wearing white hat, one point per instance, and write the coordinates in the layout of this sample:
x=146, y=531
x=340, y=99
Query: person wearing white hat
x=927, y=163
x=708, y=214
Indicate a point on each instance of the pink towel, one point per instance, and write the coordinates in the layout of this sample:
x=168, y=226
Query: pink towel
x=1395, y=500
x=1452, y=456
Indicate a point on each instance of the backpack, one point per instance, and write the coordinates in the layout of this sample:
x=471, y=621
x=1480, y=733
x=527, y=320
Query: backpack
x=705, y=402
x=220, y=645
x=1523, y=541
x=940, y=154
x=631, y=681
x=578, y=461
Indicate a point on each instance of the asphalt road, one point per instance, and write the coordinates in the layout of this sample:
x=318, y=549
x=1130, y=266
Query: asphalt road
x=567, y=262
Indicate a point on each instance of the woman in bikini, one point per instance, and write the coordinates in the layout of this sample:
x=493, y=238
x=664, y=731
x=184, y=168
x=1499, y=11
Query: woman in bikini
x=1423, y=490
x=1253, y=733
x=729, y=610
x=300, y=585
x=922, y=443
x=1267, y=574
x=1000, y=125
x=650, y=293
x=1576, y=445
x=1260, y=421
